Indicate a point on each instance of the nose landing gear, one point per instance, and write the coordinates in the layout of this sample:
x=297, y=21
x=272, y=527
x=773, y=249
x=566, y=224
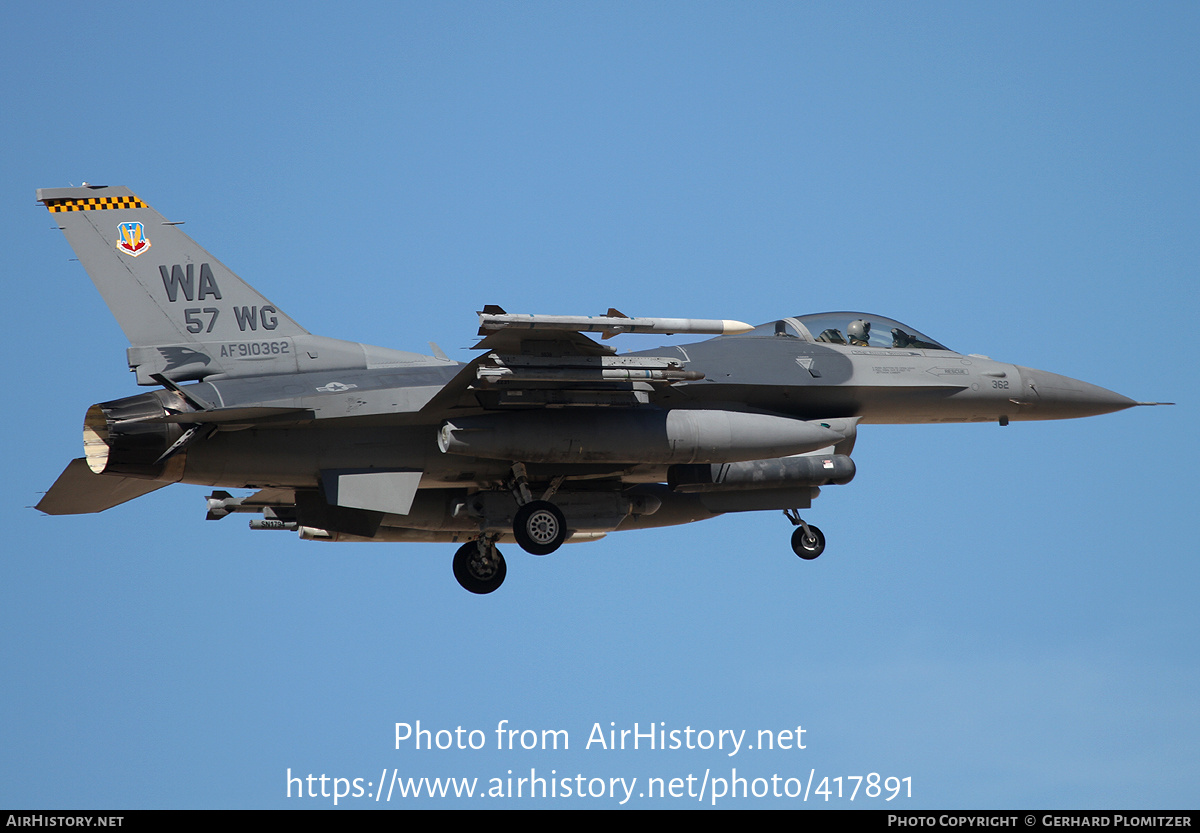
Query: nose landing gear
x=807, y=541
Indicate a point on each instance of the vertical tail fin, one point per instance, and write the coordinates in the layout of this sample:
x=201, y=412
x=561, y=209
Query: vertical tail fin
x=162, y=287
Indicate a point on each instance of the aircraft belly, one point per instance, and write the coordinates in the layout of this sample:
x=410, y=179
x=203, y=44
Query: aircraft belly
x=676, y=509
x=461, y=512
x=391, y=535
x=295, y=457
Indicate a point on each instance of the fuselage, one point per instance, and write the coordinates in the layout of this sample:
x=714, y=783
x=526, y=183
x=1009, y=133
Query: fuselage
x=373, y=418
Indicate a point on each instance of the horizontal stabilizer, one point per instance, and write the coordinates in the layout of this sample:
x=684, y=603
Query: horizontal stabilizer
x=79, y=491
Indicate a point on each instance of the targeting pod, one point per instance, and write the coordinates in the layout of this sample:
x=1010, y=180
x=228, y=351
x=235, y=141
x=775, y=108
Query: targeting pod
x=777, y=473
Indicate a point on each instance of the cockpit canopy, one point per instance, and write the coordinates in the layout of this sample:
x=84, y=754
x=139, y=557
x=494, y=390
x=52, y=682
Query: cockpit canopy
x=855, y=329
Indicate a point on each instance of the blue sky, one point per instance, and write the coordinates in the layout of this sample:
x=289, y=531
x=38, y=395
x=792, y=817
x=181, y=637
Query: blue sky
x=1005, y=616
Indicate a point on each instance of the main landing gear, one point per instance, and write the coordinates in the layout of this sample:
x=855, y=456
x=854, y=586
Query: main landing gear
x=538, y=525
x=540, y=529
x=807, y=541
x=479, y=566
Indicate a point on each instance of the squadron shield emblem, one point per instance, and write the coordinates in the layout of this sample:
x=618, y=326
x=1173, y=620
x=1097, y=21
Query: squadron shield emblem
x=132, y=239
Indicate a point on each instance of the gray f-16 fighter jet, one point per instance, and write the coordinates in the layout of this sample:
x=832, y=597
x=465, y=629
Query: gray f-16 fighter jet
x=548, y=436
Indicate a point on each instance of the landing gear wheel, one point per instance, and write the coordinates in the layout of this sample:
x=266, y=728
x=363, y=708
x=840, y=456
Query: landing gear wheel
x=808, y=545
x=540, y=527
x=479, y=569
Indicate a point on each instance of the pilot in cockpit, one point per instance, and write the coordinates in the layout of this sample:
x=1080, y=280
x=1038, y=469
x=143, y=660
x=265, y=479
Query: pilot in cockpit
x=859, y=333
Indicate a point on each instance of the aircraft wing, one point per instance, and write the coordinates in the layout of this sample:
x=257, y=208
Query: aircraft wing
x=545, y=361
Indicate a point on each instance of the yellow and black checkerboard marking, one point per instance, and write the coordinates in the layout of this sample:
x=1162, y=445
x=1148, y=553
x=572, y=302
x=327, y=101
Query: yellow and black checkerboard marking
x=95, y=204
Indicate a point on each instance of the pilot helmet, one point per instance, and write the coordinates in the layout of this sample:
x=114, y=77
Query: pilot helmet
x=859, y=330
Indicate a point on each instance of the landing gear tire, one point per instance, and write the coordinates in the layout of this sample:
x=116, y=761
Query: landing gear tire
x=539, y=527
x=479, y=569
x=808, y=545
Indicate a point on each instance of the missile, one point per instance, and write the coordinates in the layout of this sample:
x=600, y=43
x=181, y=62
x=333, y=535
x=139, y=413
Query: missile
x=274, y=523
x=508, y=374
x=493, y=318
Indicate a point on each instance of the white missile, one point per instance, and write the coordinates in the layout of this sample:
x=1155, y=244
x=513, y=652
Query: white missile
x=492, y=318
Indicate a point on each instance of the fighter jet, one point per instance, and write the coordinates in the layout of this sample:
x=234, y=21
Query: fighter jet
x=546, y=437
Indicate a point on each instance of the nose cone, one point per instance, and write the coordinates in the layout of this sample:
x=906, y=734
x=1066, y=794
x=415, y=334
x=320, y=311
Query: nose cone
x=1050, y=396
